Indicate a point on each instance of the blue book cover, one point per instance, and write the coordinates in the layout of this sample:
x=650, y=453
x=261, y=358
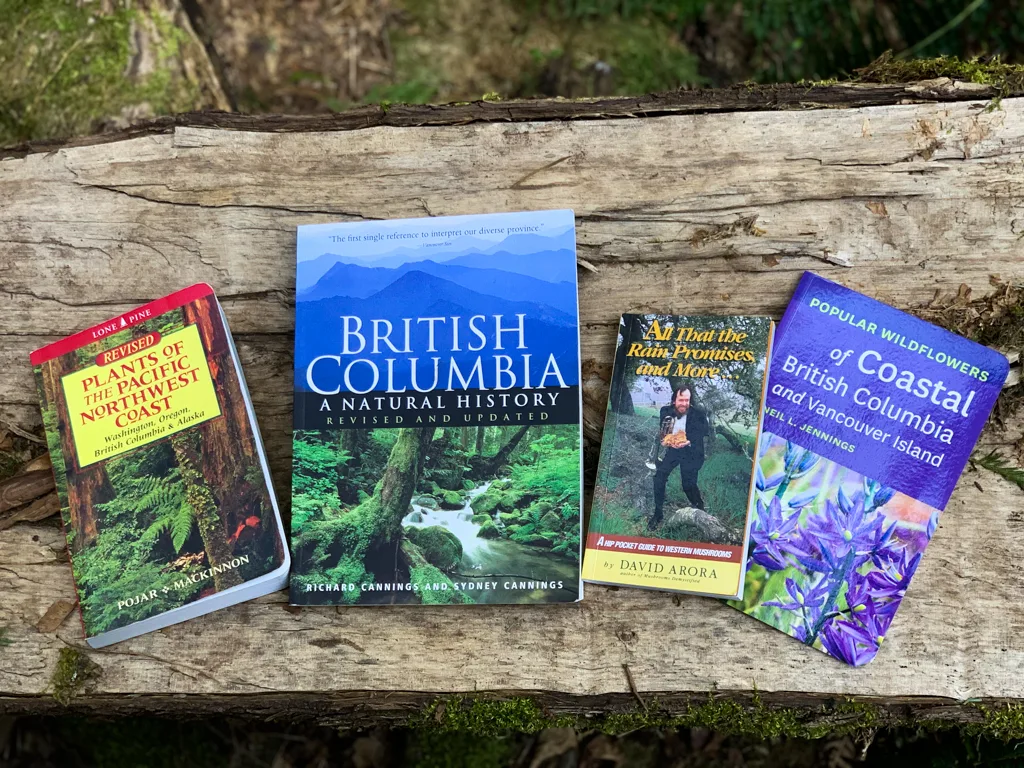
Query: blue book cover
x=870, y=416
x=437, y=433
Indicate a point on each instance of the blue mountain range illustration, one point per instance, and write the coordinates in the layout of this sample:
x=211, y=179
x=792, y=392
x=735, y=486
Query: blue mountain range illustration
x=543, y=257
x=358, y=281
x=408, y=291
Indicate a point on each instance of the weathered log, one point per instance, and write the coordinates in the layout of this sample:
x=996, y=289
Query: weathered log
x=25, y=487
x=740, y=98
x=916, y=191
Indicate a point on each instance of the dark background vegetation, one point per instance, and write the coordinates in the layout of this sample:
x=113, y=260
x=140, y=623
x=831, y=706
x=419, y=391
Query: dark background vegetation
x=77, y=66
x=72, y=67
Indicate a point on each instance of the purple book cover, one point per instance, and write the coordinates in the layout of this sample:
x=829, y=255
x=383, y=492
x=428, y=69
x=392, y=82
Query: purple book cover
x=870, y=417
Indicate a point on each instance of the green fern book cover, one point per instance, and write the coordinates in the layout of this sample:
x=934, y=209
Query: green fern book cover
x=162, y=480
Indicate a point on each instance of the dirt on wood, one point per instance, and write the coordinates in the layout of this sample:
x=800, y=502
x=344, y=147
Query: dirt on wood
x=995, y=320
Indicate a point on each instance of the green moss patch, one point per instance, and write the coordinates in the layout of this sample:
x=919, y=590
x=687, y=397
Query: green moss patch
x=494, y=718
x=434, y=588
x=1005, y=78
x=487, y=502
x=73, y=671
x=487, y=717
x=452, y=500
x=68, y=66
x=439, y=546
x=489, y=530
x=1005, y=723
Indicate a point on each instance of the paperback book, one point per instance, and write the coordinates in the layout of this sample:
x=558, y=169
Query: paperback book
x=437, y=433
x=675, y=477
x=164, y=490
x=870, y=417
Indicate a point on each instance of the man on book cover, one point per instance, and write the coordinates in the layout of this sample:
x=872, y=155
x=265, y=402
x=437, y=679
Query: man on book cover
x=683, y=402
x=679, y=443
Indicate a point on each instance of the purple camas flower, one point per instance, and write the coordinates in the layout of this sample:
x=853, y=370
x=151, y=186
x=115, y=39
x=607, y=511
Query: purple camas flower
x=811, y=599
x=806, y=603
x=763, y=483
x=801, y=500
x=844, y=526
x=878, y=495
x=770, y=534
x=869, y=628
x=838, y=639
x=846, y=561
x=895, y=569
x=798, y=461
x=859, y=599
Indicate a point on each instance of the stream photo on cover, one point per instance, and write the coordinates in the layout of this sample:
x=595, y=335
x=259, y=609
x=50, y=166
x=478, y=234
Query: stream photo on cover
x=492, y=515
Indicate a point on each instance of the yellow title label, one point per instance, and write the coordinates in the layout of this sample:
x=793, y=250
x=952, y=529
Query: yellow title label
x=660, y=572
x=139, y=399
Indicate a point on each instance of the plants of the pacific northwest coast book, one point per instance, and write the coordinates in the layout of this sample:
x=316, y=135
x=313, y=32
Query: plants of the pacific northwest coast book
x=871, y=415
x=163, y=485
x=673, y=487
x=437, y=412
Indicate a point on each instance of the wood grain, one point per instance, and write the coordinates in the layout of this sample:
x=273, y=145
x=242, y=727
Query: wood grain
x=25, y=487
x=716, y=213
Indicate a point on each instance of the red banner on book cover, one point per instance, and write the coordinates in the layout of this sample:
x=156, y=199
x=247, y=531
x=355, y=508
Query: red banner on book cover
x=641, y=545
x=128, y=319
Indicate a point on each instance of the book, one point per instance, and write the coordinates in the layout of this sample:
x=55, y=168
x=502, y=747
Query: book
x=165, y=494
x=675, y=476
x=437, y=431
x=871, y=415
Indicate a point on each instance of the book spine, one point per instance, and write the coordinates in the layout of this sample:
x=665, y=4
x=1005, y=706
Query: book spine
x=758, y=440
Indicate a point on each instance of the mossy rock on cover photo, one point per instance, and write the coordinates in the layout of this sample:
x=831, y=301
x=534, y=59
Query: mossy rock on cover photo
x=439, y=546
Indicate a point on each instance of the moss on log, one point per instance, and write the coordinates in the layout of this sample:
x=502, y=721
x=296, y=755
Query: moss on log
x=752, y=717
x=73, y=68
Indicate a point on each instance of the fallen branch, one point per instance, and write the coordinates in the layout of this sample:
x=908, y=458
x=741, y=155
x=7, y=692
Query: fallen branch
x=22, y=433
x=632, y=686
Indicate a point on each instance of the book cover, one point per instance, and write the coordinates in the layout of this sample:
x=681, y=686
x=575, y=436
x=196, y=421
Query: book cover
x=437, y=440
x=870, y=417
x=164, y=490
x=675, y=477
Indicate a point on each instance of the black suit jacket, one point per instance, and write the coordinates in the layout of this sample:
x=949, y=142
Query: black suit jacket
x=697, y=428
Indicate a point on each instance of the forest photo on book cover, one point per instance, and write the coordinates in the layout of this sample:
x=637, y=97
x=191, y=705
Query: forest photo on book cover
x=437, y=437
x=148, y=527
x=726, y=406
x=484, y=503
